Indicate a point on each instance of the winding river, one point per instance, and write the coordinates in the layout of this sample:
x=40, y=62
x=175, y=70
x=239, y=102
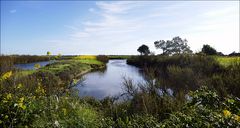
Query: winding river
x=100, y=84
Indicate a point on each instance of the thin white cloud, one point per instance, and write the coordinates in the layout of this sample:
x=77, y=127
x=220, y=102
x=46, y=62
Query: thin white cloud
x=218, y=13
x=13, y=11
x=53, y=41
x=129, y=24
x=110, y=21
x=71, y=27
x=115, y=7
x=80, y=35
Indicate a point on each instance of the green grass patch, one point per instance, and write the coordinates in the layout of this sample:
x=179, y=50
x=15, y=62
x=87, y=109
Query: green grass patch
x=24, y=73
x=66, y=65
x=90, y=62
x=85, y=57
x=226, y=61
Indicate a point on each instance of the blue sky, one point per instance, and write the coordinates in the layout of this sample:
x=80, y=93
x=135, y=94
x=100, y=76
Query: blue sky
x=115, y=27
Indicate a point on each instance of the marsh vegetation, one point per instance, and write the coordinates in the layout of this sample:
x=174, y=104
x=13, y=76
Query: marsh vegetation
x=178, y=89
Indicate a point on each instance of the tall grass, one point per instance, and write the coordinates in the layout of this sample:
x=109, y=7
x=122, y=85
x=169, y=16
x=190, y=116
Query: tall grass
x=189, y=72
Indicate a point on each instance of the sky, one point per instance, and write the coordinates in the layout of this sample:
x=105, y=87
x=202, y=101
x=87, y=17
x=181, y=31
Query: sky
x=115, y=27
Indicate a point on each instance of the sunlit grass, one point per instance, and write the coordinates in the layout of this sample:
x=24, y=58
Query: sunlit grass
x=226, y=61
x=90, y=61
x=86, y=57
x=24, y=73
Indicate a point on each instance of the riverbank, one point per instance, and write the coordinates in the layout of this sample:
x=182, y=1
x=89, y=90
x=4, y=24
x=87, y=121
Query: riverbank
x=59, y=74
x=198, y=70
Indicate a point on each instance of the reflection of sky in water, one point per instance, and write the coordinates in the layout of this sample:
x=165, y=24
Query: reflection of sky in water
x=30, y=66
x=109, y=83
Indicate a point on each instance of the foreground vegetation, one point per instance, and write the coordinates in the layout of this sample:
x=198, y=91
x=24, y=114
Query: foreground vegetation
x=227, y=61
x=180, y=91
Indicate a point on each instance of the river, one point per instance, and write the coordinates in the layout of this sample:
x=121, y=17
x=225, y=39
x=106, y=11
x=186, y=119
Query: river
x=100, y=84
x=30, y=66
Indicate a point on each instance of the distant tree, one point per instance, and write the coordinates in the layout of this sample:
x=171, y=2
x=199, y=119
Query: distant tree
x=58, y=56
x=143, y=49
x=220, y=54
x=208, y=50
x=175, y=46
x=234, y=54
x=48, y=53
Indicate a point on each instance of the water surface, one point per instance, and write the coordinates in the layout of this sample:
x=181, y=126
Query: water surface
x=30, y=66
x=109, y=83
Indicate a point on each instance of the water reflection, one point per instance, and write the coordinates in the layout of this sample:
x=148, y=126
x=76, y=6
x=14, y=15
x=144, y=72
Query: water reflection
x=30, y=66
x=109, y=83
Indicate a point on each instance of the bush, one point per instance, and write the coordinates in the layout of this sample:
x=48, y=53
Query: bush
x=6, y=64
x=102, y=58
x=39, y=110
x=205, y=109
x=135, y=121
x=177, y=81
x=227, y=82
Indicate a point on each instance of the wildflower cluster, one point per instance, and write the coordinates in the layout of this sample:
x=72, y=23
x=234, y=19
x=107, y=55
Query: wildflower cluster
x=6, y=76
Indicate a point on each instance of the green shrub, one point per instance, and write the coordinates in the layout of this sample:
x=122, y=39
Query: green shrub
x=102, y=58
x=205, y=109
x=40, y=110
x=67, y=111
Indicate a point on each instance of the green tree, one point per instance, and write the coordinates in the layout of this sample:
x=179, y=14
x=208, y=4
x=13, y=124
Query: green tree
x=58, y=56
x=208, y=50
x=175, y=46
x=48, y=53
x=143, y=49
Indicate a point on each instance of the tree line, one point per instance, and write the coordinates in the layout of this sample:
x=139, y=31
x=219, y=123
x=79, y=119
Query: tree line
x=179, y=46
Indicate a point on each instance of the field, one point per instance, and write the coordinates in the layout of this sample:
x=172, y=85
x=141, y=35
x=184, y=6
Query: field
x=226, y=61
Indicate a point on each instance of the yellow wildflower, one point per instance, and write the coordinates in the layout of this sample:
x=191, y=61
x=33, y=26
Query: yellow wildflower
x=21, y=100
x=7, y=75
x=237, y=118
x=75, y=81
x=85, y=57
x=19, y=86
x=6, y=116
x=64, y=111
x=226, y=113
x=21, y=105
x=9, y=96
x=40, y=90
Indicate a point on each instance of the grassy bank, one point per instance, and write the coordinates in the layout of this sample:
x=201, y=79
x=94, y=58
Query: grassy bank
x=70, y=68
x=43, y=97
